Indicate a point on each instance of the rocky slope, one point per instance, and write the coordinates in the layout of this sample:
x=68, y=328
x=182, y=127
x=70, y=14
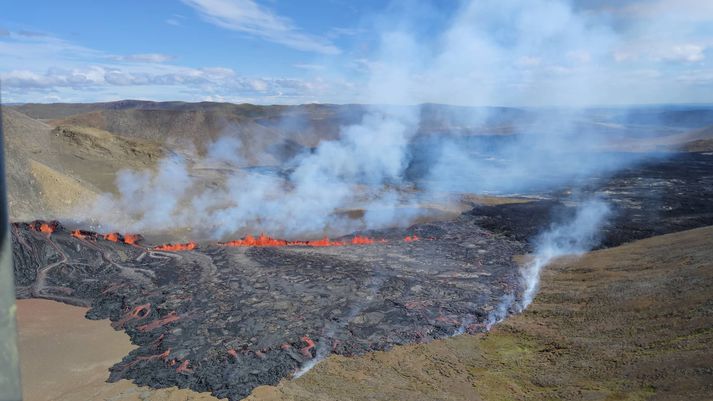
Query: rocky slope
x=53, y=170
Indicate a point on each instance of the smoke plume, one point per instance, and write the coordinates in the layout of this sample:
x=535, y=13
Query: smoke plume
x=575, y=237
x=390, y=160
x=572, y=238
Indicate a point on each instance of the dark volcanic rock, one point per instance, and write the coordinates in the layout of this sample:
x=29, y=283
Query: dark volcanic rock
x=226, y=320
x=655, y=198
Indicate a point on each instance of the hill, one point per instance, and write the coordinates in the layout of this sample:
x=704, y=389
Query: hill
x=62, y=155
x=53, y=170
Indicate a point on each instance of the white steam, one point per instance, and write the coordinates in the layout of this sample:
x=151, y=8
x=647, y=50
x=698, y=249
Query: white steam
x=546, y=49
x=367, y=163
x=575, y=237
x=572, y=238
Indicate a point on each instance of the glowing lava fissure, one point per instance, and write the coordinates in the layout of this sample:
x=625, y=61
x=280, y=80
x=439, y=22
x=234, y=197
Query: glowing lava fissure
x=130, y=239
x=412, y=238
x=266, y=241
x=46, y=227
x=262, y=240
x=188, y=246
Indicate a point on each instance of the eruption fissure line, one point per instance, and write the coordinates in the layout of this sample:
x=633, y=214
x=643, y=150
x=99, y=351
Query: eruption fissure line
x=266, y=241
x=262, y=240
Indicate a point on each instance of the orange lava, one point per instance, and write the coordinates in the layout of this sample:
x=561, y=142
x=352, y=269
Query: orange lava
x=184, y=367
x=138, y=312
x=412, y=238
x=189, y=246
x=324, y=242
x=306, y=350
x=113, y=237
x=265, y=240
x=132, y=239
x=163, y=356
x=171, y=317
x=46, y=228
x=262, y=240
x=359, y=240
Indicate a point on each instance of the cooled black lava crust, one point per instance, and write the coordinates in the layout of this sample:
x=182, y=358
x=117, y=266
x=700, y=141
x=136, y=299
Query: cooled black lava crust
x=226, y=320
x=654, y=198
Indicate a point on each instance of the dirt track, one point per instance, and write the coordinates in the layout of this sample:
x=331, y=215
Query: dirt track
x=628, y=323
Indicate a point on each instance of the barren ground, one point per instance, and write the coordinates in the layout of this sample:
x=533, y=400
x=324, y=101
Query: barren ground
x=66, y=357
x=633, y=322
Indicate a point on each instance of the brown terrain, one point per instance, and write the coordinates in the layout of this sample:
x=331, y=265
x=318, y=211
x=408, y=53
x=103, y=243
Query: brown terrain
x=66, y=357
x=60, y=156
x=627, y=323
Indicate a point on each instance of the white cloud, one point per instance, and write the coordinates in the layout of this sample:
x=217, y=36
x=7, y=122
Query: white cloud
x=249, y=17
x=41, y=68
x=697, y=77
x=579, y=56
x=313, y=67
x=683, y=52
x=175, y=20
x=144, y=58
x=528, y=61
x=53, y=78
x=173, y=82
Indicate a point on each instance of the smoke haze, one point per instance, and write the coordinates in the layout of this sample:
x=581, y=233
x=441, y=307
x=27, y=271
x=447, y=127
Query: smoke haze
x=368, y=166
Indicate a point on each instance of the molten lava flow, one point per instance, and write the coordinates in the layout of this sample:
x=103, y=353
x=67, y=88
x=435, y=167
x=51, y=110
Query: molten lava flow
x=170, y=318
x=412, y=238
x=163, y=356
x=306, y=350
x=177, y=247
x=78, y=234
x=139, y=312
x=265, y=240
x=46, y=228
x=262, y=240
x=324, y=242
x=359, y=240
x=113, y=237
x=132, y=239
x=184, y=367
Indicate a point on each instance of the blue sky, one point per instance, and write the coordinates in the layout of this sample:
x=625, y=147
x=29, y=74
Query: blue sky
x=529, y=52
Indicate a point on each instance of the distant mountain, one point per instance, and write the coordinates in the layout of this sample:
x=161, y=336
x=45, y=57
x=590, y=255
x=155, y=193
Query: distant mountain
x=61, y=155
